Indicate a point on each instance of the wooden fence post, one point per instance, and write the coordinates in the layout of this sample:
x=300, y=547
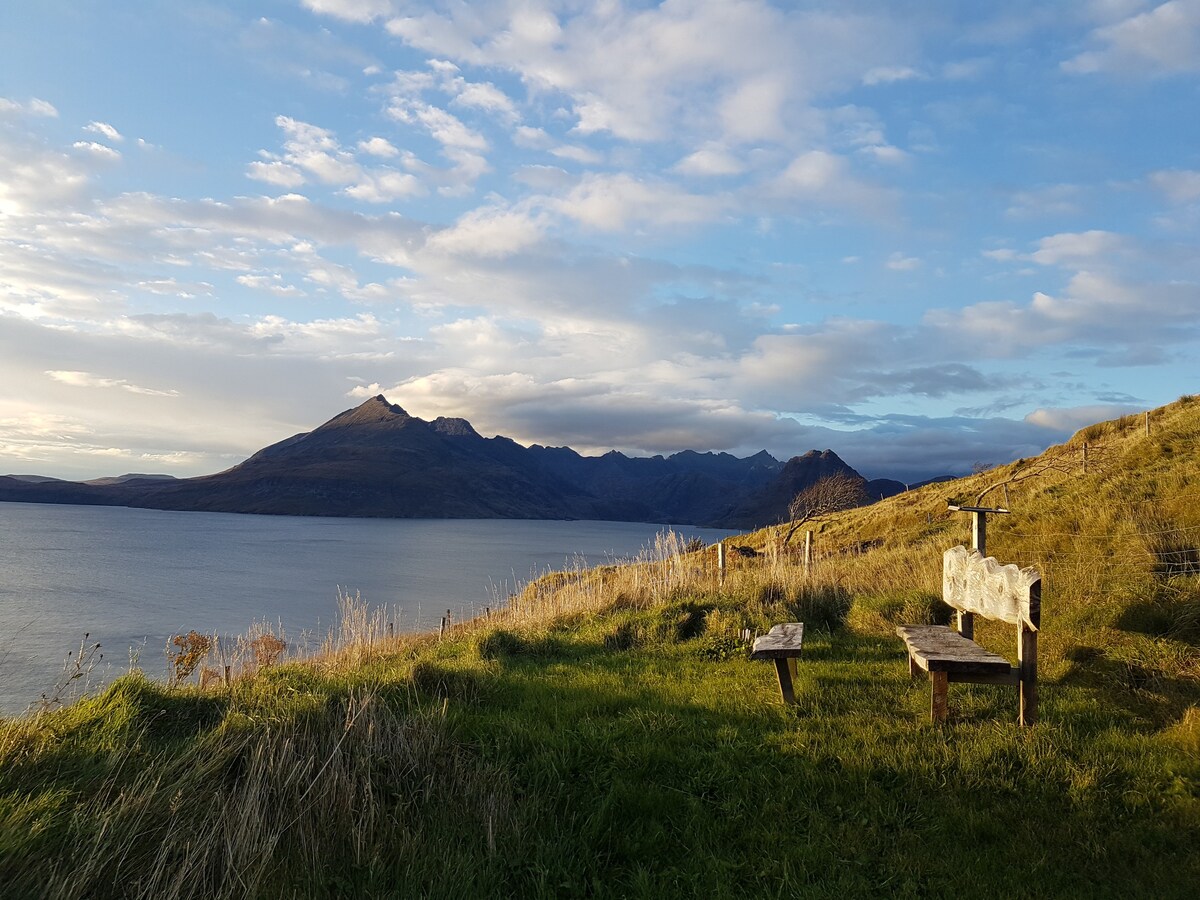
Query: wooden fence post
x=808, y=544
x=721, y=559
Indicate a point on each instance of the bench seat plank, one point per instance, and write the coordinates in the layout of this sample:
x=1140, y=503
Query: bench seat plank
x=937, y=648
x=781, y=642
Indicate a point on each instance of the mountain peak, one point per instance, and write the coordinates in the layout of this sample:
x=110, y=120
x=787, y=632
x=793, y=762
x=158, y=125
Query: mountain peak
x=820, y=454
x=381, y=401
x=453, y=427
x=377, y=410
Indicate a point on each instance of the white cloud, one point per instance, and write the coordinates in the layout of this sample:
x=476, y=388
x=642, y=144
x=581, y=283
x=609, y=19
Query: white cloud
x=31, y=425
x=528, y=136
x=578, y=154
x=844, y=360
x=317, y=152
x=314, y=152
x=613, y=202
x=275, y=172
x=1160, y=41
x=88, y=380
x=889, y=75
x=1079, y=249
x=103, y=128
x=648, y=74
x=1071, y=419
x=898, y=262
x=353, y=10
x=885, y=153
x=34, y=179
x=99, y=150
x=710, y=160
x=1177, y=185
x=42, y=108
x=821, y=179
x=385, y=185
x=320, y=335
x=494, y=233
x=1115, y=321
x=446, y=128
x=754, y=110
x=378, y=146
x=815, y=172
x=273, y=284
x=487, y=97
x=462, y=145
x=34, y=107
x=170, y=287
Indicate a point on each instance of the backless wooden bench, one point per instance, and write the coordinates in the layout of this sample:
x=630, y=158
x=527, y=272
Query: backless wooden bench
x=977, y=585
x=782, y=644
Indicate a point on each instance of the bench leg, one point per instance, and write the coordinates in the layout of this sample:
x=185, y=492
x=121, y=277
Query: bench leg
x=1027, y=661
x=913, y=668
x=784, y=668
x=939, y=706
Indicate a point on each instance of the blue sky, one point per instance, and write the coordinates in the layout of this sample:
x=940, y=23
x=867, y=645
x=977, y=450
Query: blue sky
x=925, y=236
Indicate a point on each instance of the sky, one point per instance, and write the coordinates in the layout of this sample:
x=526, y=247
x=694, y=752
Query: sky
x=927, y=236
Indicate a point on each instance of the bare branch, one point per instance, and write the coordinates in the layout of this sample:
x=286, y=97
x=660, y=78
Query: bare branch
x=829, y=495
x=1066, y=460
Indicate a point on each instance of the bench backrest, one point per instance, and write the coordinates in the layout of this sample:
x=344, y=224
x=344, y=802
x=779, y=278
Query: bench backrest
x=976, y=584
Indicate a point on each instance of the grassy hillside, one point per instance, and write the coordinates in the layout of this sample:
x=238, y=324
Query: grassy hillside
x=606, y=736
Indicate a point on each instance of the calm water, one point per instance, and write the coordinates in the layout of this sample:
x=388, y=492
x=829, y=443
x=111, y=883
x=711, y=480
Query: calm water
x=131, y=578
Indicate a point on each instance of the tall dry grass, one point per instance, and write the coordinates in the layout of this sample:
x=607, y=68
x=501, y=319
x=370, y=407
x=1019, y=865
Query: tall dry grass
x=281, y=808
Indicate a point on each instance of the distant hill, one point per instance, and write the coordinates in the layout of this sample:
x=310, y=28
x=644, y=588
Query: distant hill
x=376, y=460
x=125, y=479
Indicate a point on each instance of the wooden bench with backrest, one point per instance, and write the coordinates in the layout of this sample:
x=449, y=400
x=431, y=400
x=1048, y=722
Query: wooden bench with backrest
x=978, y=585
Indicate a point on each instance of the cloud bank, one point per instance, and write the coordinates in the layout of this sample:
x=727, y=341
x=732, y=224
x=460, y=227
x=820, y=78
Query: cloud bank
x=649, y=227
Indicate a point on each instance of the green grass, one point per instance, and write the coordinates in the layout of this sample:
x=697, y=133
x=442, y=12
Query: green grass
x=550, y=764
x=606, y=736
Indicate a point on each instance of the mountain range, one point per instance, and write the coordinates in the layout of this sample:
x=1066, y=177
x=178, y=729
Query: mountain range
x=378, y=461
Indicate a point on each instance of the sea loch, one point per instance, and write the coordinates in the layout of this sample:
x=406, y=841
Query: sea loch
x=131, y=578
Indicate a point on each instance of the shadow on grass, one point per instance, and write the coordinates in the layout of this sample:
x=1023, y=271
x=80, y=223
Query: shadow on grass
x=658, y=772
x=1138, y=685
x=653, y=772
x=78, y=743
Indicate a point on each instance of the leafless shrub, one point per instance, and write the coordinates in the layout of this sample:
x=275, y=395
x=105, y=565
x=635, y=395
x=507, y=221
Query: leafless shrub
x=190, y=650
x=267, y=649
x=829, y=495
